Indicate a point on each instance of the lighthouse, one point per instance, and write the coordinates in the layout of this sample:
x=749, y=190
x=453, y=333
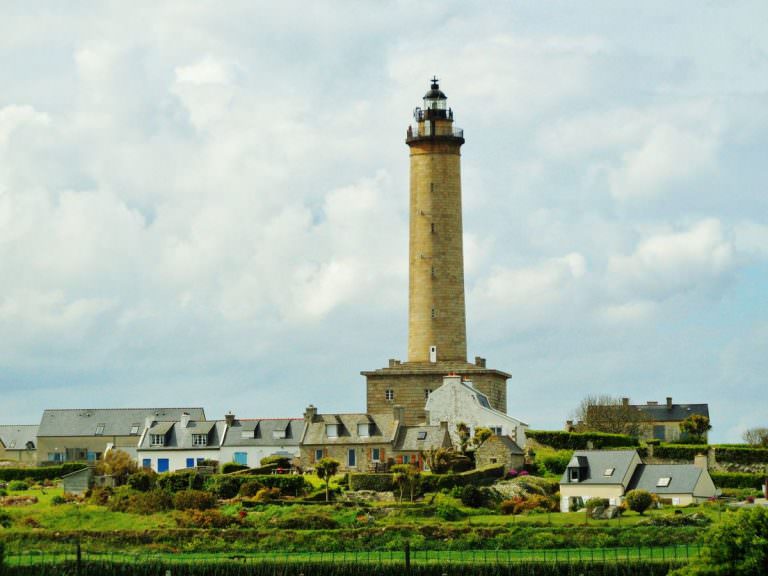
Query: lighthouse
x=437, y=329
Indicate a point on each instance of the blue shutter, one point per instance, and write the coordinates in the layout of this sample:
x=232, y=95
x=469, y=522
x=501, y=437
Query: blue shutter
x=162, y=464
x=146, y=463
x=241, y=458
x=190, y=462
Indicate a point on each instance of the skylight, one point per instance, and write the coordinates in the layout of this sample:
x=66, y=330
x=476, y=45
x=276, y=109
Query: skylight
x=663, y=482
x=422, y=435
x=609, y=471
x=99, y=429
x=135, y=429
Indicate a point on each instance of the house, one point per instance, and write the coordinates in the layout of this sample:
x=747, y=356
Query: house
x=412, y=441
x=499, y=450
x=86, y=433
x=662, y=421
x=169, y=445
x=19, y=443
x=359, y=442
x=459, y=401
x=248, y=441
x=610, y=474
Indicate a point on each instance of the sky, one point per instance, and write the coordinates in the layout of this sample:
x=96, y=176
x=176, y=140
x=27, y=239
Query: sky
x=205, y=203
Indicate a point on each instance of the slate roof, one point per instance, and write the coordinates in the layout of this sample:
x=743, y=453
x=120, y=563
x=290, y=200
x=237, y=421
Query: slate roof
x=384, y=428
x=676, y=413
x=261, y=432
x=178, y=437
x=597, y=462
x=683, y=478
x=510, y=444
x=117, y=421
x=17, y=437
x=408, y=438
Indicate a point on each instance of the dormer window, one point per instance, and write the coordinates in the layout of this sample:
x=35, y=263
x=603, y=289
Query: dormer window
x=573, y=474
x=278, y=434
x=332, y=430
x=364, y=430
x=199, y=440
x=663, y=482
x=157, y=439
x=247, y=434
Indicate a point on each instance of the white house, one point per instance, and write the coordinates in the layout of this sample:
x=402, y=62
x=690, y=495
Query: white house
x=458, y=401
x=174, y=445
x=248, y=441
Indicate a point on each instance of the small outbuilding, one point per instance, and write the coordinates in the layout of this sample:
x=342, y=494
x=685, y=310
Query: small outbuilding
x=499, y=450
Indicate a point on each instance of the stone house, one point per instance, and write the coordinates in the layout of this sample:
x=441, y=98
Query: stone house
x=18, y=443
x=611, y=474
x=662, y=421
x=459, y=401
x=499, y=450
x=84, y=434
x=247, y=441
x=170, y=445
x=413, y=441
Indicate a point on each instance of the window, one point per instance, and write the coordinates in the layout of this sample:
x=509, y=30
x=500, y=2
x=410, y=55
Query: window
x=660, y=432
x=200, y=461
x=389, y=394
x=190, y=462
x=422, y=435
x=609, y=471
x=663, y=482
x=332, y=430
x=427, y=392
x=351, y=458
x=496, y=430
x=146, y=463
x=406, y=459
x=134, y=429
x=199, y=440
x=364, y=430
x=162, y=464
x=241, y=458
x=376, y=454
x=319, y=454
x=99, y=429
x=246, y=434
x=432, y=227
x=494, y=460
x=434, y=313
x=433, y=271
x=278, y=434
x=573, y=474
x=157, y=439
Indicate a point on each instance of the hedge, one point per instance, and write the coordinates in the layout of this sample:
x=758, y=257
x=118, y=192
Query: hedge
x=435, y=482
x=228, y=485
x=376, y=482
x=737, y=480
x=229, y=467
x=561, y=440
x=40, y=473
x=679, y=451
x=745, y=455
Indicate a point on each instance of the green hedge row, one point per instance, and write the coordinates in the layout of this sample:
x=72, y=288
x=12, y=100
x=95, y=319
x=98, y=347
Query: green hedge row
x=679, y=451
x=561, y=440
x=481, y=476
x=228, y=485
x=40, y=473
x=376, y=482
x=737, y=480
x=745, y=455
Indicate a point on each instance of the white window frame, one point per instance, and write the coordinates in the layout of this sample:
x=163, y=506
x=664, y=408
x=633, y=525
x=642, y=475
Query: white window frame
x=389, y=394
x=157, y=439
x=364, y=430
x=573, y=474
x=332, y=430
x=199, y=439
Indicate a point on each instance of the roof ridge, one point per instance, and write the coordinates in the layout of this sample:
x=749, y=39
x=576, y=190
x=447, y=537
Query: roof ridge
x=115, y=409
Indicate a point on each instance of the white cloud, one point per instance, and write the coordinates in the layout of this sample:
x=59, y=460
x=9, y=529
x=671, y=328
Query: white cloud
x=630, y=312
x=751, y=238
x=206, y=71
x=13, y=117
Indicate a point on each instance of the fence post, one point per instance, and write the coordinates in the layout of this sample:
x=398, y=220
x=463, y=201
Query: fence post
x=407, y=557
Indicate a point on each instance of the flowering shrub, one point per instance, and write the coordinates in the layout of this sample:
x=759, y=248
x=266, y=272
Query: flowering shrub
x=512, y=473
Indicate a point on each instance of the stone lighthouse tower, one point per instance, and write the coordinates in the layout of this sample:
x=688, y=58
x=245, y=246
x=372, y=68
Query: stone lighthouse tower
x=437, y=334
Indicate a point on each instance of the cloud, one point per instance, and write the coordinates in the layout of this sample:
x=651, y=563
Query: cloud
x=668, y=263
x=14, y=117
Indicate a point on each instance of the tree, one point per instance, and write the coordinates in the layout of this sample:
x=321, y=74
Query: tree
x=696, y=426
x=481, y=435
x=325, y=470
x=463, y=432
x=406, y=476
x=639, y=500
x=756, y=436
x=610, y=414
x=117, y=464
x=442, y=460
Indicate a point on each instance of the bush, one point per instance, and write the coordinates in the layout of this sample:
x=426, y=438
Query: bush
x=250, y=489
x=472, y=496
x=301, y=521
x=561, y=440
x=639, y=500
x=5, y=522
x=17, y=485
x=745, y=455
x=40, y=473
x=679, y=451
x=58, y=500
x=267, y=495
x=593, y=503
x=276, y=460
x=448, y=512
x=100, y=495
x=3, y=492
x=737, y=480
x=143, y=480
x=479, y=477
x=194, y=500
x=375, y=482
x=140, y=502
x=532, y=502
x=182, y=480
x=205, y=519
x=552, y=462
x=229, y=467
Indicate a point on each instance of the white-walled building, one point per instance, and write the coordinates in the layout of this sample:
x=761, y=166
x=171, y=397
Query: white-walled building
x=456, y=401
x=174, y=445
x=248, y=441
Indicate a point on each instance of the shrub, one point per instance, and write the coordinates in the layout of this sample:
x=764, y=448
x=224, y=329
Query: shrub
x=143, y=480
x=639, y=500
x=561, y=440
x=5, y=522
x=448, y=512
x=301, y=521
x=100, y=495
x=593, y=503
x=279, y=461
x=3, y=492
x=250, y=488
x=224, y=487
x=472, y=496
x=194, y=500
x=375, y=482
x=209, y=463
x=17, y=485
x=205, y=519
x=519, y=504
x=679, y=451
x=118, y=464
x=182, y=480
x=40, y=473
x=737, y=480
x=229, y=467
x=267, y=495
x=140, y=502
x=58, y=500
x=552, y=462
x=745, y=455
x=478, y=477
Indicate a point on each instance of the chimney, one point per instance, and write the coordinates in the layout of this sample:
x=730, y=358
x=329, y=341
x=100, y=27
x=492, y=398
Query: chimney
x=393, y=363
x=701, y=461
x=479, y=361
x=669, y=402
x=569, y=425
x=399, y=413
x=185, y=419
x=230, y=418
x=443, y=425
x=652, y=403
x=452, y=377
x=625, y=401
x=148, y=421
x=310, y=413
